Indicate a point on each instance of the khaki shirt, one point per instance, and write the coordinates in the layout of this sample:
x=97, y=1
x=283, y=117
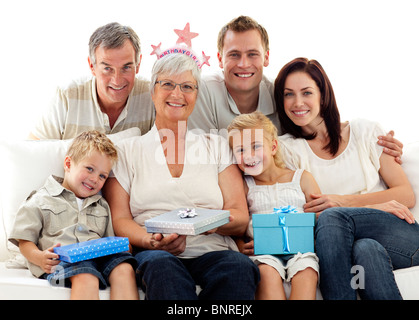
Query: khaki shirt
x=51, y=215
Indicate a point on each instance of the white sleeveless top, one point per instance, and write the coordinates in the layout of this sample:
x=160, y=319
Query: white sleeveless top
x=264, y=198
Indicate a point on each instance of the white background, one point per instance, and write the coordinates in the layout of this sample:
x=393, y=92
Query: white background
x=369, y=48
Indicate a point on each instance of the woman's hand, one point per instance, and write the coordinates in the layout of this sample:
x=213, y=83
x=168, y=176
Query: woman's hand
x=172, y=243
x=396, y=208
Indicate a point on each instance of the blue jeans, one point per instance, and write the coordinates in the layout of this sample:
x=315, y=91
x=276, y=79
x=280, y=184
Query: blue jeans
x=100, y=267
x=358, y=248
x=226, y=275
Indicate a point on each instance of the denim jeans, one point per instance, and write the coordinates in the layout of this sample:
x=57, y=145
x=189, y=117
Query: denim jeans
x=358, y=248
x=100, y=267
x=227, y=275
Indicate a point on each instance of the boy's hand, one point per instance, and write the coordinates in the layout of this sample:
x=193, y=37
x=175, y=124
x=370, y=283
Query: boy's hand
x=49, y=259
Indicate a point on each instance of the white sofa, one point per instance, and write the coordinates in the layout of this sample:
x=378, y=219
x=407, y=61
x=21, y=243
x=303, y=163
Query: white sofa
x=25, y=166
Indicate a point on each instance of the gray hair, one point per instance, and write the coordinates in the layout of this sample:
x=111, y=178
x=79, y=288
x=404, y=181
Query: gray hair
x=111, y=36
x=174, y=64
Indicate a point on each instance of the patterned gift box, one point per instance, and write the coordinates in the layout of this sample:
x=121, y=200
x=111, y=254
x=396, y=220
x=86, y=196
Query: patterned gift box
x=187, y=221
x=286, y=232
x=92, y=249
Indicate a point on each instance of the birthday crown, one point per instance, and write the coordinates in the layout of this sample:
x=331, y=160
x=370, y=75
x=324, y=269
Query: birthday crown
x=185, y=37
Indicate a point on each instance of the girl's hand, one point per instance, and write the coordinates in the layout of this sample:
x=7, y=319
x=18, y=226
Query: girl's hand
x=321, y=202
x=247, y=248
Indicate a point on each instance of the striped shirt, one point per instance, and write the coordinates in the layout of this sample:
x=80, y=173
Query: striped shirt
x=75, y=109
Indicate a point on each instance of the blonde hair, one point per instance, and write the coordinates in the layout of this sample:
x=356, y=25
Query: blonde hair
x=256, y=120
x=87, y=142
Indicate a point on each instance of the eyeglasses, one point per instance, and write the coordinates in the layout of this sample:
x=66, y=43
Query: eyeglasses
x=185, y=87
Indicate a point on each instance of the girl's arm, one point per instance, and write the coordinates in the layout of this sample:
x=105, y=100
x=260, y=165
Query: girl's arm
x=309, y=187
x=230, y=181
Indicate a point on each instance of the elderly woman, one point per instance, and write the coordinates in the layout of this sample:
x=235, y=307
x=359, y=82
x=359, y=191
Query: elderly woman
x=169, y=168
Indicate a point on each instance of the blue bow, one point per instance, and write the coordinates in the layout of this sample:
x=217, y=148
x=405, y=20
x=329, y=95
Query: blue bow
x=286, y=209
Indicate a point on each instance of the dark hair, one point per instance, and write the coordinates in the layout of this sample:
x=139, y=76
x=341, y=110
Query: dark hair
x=328, y=107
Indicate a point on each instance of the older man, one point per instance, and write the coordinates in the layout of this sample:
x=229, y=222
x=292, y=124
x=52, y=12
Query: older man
x=110, y=101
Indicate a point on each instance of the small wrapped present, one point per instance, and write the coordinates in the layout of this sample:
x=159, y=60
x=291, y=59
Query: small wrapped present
x=92, y=249
x=187, y=221
x=285, y=231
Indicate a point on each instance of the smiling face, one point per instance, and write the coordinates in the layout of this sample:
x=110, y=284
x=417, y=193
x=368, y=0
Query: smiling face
x=115, y=71
x=302, y=99
x=243, y=60
x=174, y=105
x=86, y=177
x=253, y=152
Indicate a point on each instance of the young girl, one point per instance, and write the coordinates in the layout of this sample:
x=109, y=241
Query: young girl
x=268, y=184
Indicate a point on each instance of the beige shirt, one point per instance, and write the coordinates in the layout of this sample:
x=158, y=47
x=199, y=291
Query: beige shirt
x=51, y=215
x=75, y=109
x=215, y=108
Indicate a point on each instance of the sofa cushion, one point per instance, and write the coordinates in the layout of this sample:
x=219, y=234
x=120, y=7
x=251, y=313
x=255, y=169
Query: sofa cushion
x=411, y=168
x=26, y=165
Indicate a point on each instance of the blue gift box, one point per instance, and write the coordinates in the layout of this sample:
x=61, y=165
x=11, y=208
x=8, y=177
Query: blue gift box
x=283, y=233
x=187, y=221
x=92, y=249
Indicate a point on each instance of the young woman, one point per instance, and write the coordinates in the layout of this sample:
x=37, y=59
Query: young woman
x=352, y=171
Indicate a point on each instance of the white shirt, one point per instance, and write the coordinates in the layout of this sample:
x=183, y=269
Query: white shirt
x=142, y=171
x=354, y=171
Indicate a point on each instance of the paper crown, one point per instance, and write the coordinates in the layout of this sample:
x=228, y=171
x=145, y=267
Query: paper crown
x=185, y=36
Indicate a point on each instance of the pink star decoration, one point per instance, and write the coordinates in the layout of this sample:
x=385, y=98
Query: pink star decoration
x=185, y=35
x=205, y=59
x=156, y=50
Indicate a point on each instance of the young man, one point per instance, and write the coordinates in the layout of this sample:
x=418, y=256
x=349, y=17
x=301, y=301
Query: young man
x=112, y=100
x=243, y=52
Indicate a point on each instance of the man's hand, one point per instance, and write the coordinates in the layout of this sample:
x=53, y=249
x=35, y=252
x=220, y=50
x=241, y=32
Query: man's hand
x=392, y=146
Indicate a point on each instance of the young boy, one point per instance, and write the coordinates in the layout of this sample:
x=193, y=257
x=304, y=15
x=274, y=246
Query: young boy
x=70, y=210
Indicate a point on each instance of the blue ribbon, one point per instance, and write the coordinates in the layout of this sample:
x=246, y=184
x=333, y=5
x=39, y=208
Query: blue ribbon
x=286, y=209
x=286, y=245
x=282, y=223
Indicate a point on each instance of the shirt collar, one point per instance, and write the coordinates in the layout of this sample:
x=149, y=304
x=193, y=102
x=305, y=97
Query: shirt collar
x=54, y=187
x=265, y=103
